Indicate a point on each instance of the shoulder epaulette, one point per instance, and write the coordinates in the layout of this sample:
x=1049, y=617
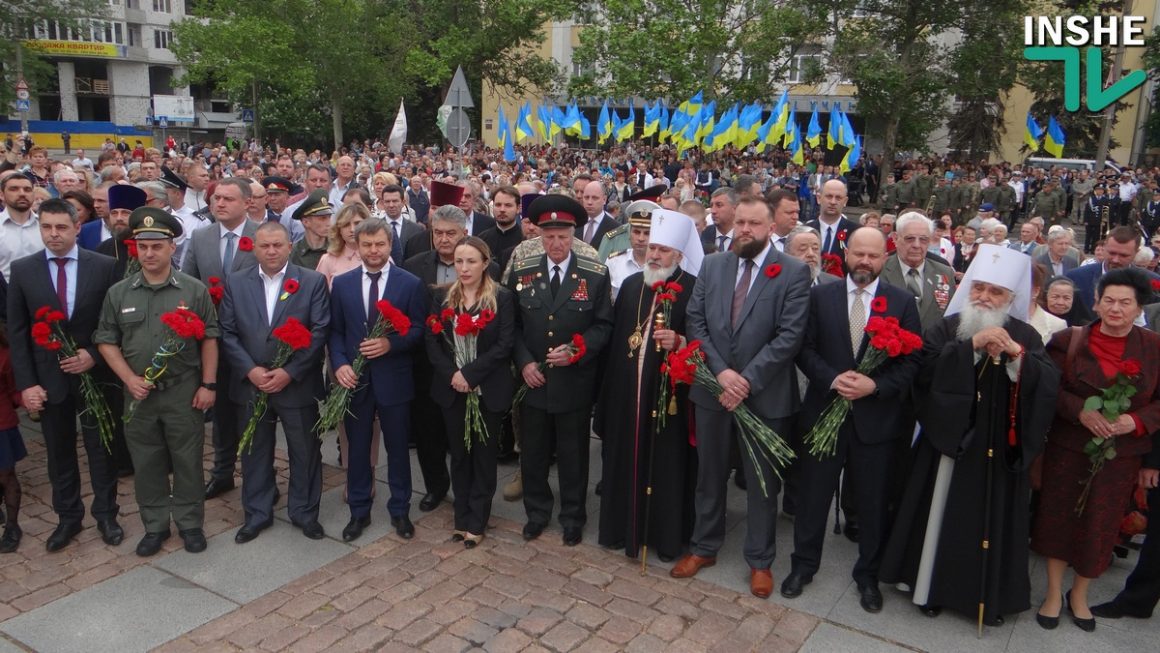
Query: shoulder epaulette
x=590, y=265
x=622, y=229
x=527, y=262
x=615, y=254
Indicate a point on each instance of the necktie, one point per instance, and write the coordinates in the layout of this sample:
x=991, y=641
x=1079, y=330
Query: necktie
x=741, y=291
x=228, y=258
x=373, y=298
x=62, y=284
x=555, y=283
x=829, y=238
x=721, y=242
x=590, y=231
x=913, y=284
x=780, y=242
x=395, y=229
x=857, y=321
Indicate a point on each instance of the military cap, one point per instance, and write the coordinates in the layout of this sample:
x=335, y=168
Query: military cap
x=443, y=193
x=650, y=193
x=172, y=180
x=557, y=211
x=277, y=184
x=987, y=206
x=1100, y=187
x=152, y=223
x=640, y=213
x=317, y=203
x=127, y=197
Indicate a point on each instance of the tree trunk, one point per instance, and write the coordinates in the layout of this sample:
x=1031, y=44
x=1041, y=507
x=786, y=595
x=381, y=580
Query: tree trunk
x=336, y=118
x=890, y=135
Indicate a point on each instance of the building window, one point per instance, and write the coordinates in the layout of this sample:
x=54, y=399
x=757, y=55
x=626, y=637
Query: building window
x=801, y=66
x=162, y=38
x=100, y=31
x=162, y=6
x=580, y=70
x=135, y=36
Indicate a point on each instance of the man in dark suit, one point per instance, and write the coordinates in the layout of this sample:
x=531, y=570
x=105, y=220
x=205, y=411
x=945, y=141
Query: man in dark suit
x=73, y=281
x=1120, y=250
x=560, y=295
x=442, y=194
x=402, y=229
x=599, y=222
x=833, y=227
x=723, y=205
x=835, y=342
x=257, y=301
x=219, y=250
x=1056, y=256
x=386, y=387
x=749, y=311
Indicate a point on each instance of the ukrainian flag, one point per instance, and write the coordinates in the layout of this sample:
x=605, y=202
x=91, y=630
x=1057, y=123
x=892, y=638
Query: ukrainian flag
x=524, y=123
x=652, y=119
x=1032, y=133
x=664, y=126
x=603, y=124
x=1055, y=138
x=852, y=156
x=627, y=126
x=814, y=131
x=504, y=132
x=545, y=116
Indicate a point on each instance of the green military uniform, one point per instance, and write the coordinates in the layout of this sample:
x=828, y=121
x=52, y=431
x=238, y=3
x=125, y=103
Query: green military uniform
x=889, y=200
x=990, y=194
x=306, y=256
x=906, y=193
x=165, y=429
x=942, y=201
x=316, y=204
x=956, y=200
x=535, y=247
x=1005, y=203
x=618, y=239
x=1050, y=203
x=1081, y=189
x=924, y=187
x=562, y=407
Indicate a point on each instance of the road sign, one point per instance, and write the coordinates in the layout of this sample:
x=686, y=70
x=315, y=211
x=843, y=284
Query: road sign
x=162, y=122
x=22, y=91
x=23, y=105
x=247, y=115
x=458, y=127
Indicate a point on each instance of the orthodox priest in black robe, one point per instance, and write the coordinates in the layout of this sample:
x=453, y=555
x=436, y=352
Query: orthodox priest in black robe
x=986, y=396
x=640, y=452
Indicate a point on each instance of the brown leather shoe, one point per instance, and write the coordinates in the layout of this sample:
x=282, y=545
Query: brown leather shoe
x=760, y=583
x=688, y=566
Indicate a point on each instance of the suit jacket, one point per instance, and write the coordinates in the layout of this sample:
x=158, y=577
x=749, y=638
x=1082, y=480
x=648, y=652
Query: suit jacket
x=838, y=243
x=415, y=245
x=1070, y=262
x=389, y=375
x=491, y=371
x=32, y=288
x=606, y=225
x=90, y=235
x=1152, y=317
x=247, y=336
x=1087, y=280
x=938, y=286
x=826, y=353
x=768, y=334
x=407, y=231
x=203, y=257
x=480, y=222
x=425, y=266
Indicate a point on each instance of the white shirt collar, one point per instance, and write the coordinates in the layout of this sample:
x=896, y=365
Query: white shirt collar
x=872, y=288
x=238, y=230
x=760, y=258
x=563, y=265
x=385, y=269
x=72, y=254
x=274, y=277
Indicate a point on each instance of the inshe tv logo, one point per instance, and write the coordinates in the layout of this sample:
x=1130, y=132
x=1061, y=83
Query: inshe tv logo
x=1054, y=38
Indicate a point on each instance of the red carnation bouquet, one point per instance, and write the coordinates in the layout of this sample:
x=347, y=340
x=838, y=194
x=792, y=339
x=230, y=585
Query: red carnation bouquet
x=463, y=340
x=1111, y=402
x=760, y=442
x=666, y=296
x=292, y=336
x=887, y=340
x=332, y=409
x=133, y=265
x=184, y=325
x=216, y=290
x=832, y=263
x=48, y=332
x=576, y=349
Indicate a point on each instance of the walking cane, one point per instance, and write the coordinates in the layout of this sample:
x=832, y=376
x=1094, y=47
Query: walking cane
x=652, y=452
x=986, y=543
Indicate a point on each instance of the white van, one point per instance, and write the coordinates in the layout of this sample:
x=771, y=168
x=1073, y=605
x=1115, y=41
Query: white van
x=1047, y=163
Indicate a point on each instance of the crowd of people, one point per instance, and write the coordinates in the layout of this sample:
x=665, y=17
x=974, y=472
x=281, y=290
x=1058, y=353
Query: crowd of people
x=485, y=312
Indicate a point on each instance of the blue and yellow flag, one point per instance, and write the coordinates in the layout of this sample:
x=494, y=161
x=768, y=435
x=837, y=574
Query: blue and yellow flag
x=833, y=134
x=603, y=124
x=1055, y=138
x=652, y=119
x=664, y=126
x=524, y=123
x=1032, y=133
x=545, y=125
x=503, y=132
x=814, y=130
x=627, y=126
x=852, y=156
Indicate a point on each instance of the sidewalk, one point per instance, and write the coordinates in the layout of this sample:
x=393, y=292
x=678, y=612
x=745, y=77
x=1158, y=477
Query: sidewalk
x=285, y=592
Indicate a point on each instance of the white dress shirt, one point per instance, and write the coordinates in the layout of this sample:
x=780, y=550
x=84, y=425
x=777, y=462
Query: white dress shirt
x=70, y=271
x=366, y=283
x=757, y=261
x=17, y=240
x=273, y=288
x=867, y=295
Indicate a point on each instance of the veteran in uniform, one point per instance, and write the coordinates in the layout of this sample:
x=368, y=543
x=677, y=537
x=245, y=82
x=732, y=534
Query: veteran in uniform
x=168, y=425
x=534, y=247
x=560, y=294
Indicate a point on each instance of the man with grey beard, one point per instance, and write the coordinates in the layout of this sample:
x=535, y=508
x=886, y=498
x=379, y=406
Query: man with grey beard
x=986, y=394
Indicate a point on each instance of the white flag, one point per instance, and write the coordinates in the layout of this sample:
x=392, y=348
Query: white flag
x=398, y=132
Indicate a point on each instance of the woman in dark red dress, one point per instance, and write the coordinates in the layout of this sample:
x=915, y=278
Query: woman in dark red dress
x=1089, y=365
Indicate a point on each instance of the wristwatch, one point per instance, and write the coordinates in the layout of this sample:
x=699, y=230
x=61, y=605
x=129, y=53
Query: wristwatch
x=212, y=387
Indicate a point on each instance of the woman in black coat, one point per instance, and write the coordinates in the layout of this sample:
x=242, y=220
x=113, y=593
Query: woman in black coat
x=474, y=307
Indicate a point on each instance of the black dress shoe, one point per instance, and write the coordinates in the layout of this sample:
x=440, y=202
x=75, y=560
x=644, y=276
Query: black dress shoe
x=194, y=539
x=852, y=531
x=931, y=611
x=277, y=495
x=218, y=486
x=791, y=587
x=532, y=530
x=354, y=528
x=431, y=501
x=403, y=527
x=994, y=622
x=871, y=598
x=313, y=530
x=1114, y=610
x=572, y=535
x=151, y=543
x=111, y=532
x=10, y=541
x=61, y=537
x=249, y=532
x=1086, y=625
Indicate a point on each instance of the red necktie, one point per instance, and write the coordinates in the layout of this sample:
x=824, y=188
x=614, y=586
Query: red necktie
x=62, y=284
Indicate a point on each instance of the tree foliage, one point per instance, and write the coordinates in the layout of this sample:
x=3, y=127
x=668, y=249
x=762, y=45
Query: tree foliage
x=16, y=23
x=347, y=62
x=732, y=49
x=1152, y=61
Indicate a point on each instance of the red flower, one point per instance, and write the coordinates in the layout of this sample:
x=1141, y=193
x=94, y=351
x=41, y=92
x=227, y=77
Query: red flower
x=674, y=287
x=487, y=315
x=1156, y=285
x=447, y=315
x=579, y=348
x=434, y=324
x=213, y=281
x=893, y=348
x=832, y=263
x=464, y=325
x=42, y=311
x=656, y=287
x=245, y=244
x=772, y=270
x=294, y=333
x=54, y=316
x=131, y=247
x=291, y=286
x=841, y=236
x=184, y=323
x=41, y=332
x=52, y=345
x=1130, y=368
x=396, y=318
x=216, y=293
x=878, y=305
